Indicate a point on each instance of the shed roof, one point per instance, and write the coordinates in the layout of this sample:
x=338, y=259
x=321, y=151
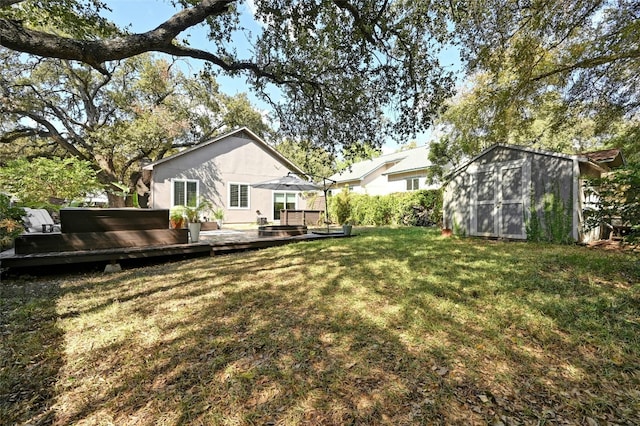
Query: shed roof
x=236, y=132
x=464, y=165
x=610, y=157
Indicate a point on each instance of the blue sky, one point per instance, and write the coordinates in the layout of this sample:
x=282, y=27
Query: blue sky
x=144, y=15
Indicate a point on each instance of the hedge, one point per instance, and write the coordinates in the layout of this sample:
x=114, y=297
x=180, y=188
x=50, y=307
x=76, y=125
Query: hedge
x=416, y=208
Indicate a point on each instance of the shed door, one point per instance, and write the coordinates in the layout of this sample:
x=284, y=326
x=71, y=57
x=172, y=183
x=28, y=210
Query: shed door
x=500, y=198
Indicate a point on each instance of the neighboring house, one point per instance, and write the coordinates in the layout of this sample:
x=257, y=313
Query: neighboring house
x=222, y=170
x=398, y=172
x=492, y=194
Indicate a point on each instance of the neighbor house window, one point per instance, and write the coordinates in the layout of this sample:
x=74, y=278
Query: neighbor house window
x=238, y=196
x=185, y=192
x=413, y=184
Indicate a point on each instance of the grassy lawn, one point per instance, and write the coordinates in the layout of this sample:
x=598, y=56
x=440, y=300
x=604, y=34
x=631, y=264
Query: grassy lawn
x=394, y=326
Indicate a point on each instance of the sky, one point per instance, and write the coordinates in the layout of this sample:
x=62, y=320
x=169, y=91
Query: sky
x=144, y=15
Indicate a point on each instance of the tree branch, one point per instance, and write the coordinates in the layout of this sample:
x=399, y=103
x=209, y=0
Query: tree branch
x=7, y=3
x=15, y=36
x=589, y=63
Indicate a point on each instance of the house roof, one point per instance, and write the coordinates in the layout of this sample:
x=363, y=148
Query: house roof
x=416, y=159
x=236, y=132
x=403, y=161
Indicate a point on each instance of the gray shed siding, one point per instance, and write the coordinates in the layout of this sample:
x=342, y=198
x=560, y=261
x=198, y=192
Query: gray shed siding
x=548, y=173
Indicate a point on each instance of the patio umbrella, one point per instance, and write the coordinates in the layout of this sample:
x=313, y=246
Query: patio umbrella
x=291, y=182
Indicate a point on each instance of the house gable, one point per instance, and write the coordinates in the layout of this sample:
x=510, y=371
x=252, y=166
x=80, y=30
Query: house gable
x=387, y=173
x=222, y=166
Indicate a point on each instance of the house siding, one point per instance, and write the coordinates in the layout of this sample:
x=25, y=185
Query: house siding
x=234, y=159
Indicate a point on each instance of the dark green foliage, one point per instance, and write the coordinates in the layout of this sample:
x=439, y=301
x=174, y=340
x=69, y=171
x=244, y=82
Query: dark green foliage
x=10, y=221
x=417, y=208
x=342, y=204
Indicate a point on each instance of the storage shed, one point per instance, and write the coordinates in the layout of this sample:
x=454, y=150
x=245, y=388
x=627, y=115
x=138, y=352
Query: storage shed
x=495, y=193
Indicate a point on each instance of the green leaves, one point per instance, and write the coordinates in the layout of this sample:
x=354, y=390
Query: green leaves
x=551, y=65
x=36, y=182
x=618, y=198
x=72, y=18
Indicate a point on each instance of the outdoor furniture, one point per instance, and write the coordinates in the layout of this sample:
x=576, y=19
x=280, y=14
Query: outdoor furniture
x=260, y=218
x=301, y=217
x=39, y=220
x=100, y=229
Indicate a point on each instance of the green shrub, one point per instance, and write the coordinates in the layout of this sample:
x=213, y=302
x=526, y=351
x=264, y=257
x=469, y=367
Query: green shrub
x=618, y=199
x=10, y=222
x=556, y=225
x=342, y=203
x=416, y=208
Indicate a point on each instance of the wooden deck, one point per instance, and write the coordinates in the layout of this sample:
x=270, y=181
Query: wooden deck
x=211, y=243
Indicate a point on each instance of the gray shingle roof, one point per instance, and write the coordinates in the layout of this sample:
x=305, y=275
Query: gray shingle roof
x=404, y=161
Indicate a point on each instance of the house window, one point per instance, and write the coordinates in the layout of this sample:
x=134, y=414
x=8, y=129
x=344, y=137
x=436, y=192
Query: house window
x=185, y=192
x=413, y=184
x=238, y=196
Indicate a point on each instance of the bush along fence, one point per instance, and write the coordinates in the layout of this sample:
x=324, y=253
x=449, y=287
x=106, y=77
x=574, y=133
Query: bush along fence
x=416, y=208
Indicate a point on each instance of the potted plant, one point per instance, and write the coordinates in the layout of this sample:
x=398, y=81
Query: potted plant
x=346, y=227
x=218, y=215
x=176, y=217
x=446, y=231
x=193, y=214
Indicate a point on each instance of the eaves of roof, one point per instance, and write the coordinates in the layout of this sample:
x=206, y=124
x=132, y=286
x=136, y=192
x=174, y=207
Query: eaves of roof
x=252, y=135
x=580, y=158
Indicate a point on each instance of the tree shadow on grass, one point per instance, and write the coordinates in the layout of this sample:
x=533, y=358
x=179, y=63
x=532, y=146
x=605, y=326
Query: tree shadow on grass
x=31, y=351
x=401, y=328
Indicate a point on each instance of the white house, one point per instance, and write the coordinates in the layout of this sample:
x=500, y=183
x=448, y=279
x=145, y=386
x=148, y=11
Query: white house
x=398, y=172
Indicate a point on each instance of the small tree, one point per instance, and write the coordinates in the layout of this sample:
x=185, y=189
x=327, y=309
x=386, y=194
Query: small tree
x=618, y=198
x=10, y=221
x=37, y=181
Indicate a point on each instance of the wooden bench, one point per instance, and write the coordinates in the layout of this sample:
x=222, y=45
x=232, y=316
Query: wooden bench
x=97, y=229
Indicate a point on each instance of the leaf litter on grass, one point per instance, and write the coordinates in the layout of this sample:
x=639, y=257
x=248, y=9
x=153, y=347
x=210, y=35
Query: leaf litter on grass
x=396, y=326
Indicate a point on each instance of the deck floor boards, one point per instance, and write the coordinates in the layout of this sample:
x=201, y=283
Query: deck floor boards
x=211, y=243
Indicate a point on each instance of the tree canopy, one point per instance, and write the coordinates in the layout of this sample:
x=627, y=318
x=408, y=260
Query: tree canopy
x=142, y=109
x=41, y=180
x=348, y=71
x=543, y=69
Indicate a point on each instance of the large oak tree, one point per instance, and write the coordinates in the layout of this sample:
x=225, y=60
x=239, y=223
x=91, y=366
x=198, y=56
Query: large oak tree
x=348, y=71
x=547, y=68
x=143, y=108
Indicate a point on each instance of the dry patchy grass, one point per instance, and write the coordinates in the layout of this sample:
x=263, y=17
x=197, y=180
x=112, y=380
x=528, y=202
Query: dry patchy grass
x=395, y=326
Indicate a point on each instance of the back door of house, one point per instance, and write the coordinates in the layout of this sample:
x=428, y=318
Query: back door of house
x=283, y=201
x=500, y=198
